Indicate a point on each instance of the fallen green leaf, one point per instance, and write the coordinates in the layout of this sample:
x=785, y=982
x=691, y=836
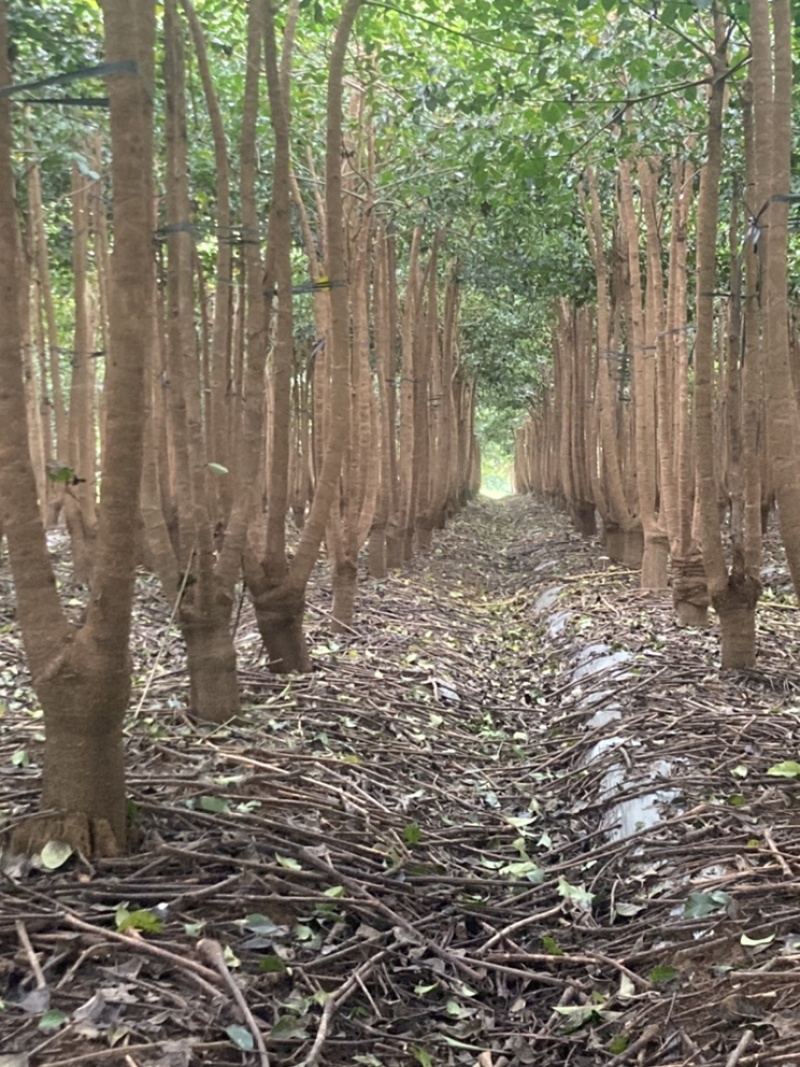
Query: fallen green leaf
x=551, y=946
x=55, y=854
x=788, y=769
x=412, y=835
x=141, y=919
x=288, y=862
x=576, y=894
x=699, y=905
x=753, y=941
x=53, y=1020
x=241, y=1037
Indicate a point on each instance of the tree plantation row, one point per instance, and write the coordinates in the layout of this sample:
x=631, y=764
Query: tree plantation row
x=672, y=407
x=258, y=259
x=210, y=401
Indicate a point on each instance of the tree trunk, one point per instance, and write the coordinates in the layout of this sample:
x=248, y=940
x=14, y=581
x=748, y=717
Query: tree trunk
x=345, y=588
x=83, y=677
x=772, y=80
x=211, y=656
x=733, y=594
x=278, y=587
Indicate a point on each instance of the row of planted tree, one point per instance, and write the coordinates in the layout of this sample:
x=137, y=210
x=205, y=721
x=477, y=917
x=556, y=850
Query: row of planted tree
x=217, y=416
x=680, y=427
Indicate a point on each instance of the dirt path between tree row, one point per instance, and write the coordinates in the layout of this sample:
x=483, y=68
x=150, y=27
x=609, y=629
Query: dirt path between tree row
x=516, y=818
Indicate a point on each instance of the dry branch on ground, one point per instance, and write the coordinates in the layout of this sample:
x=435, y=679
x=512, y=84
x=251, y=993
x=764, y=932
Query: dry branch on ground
x=517, y=817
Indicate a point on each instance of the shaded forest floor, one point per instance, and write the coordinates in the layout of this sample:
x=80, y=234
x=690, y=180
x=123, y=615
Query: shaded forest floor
x=518, y=817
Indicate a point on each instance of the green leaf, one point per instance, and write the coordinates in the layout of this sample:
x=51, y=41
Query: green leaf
x=551, y=946
x=421, y=990
x=739, y=771
x=53, y=1019
x=525, y=869
x=288, y=1026
x=260, y=924
x=662, y=974
x=21, y=758
x=576, y=1016
x=788, y=769
x=288, y=862
x=751, y=942
x=217, y=468
x=618, y=1044
x=241, y=1037
x=576, y=894
x=627, y=909
x=412, y=835
x=272, y=965
x=142, y=919
x=422, y=1057
x=217, y=805
x=55, y=854
x=59, y=472
x=699, y=905
x=455, y=1043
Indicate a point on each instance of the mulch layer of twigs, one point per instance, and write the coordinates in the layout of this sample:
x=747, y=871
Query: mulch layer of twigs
x=517, y=817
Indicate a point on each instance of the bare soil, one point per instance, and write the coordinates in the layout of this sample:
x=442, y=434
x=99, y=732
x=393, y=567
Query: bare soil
x=517, y=817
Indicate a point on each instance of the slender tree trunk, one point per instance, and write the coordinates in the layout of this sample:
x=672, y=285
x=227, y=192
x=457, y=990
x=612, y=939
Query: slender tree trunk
x=622, y=531
x=277, y=587
x=734, y=593
x=772, y=81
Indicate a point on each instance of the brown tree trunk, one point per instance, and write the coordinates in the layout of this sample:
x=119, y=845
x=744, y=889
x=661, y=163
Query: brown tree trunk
x=641, y=338
x=82, y=677
x=205, y=606
x=734, y=594
x=79, y=500
x=276, y=586
x=772, y=103
x=622, y=530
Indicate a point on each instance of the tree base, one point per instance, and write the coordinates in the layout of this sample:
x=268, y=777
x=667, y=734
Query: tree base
x=655, y=561
x=736, y=608
x=624, y=545
x=211, y=661
x=91, y=837
x=376, y=559
x=584, y=518
x=345, y=588
x=394, y=551
x=690, y=597
x=279, y=614
x=424, y=537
